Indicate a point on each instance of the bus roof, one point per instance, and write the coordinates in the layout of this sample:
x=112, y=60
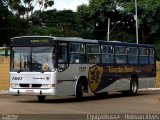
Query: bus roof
x=76, y=39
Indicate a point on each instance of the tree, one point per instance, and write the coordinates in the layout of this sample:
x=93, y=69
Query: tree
x=58, y=23
x=94, y=17
x=84, y=23
x=148, y=18
x=10, y=25
x=25, y=8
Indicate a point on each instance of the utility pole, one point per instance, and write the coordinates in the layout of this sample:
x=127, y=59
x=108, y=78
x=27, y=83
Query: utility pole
x=108, y=29
x=136, y=18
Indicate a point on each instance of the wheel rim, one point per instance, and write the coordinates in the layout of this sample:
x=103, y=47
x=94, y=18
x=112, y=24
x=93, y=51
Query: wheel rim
x=134, y=87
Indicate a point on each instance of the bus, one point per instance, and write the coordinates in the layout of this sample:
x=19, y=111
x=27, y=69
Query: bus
x=67, y=66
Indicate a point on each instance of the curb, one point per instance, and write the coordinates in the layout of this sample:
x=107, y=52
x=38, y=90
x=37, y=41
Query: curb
x=149, y=89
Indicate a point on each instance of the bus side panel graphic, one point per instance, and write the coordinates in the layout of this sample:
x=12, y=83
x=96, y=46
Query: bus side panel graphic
x=100, y=77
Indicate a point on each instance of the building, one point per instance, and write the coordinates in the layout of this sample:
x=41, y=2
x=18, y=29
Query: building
x=4, y=68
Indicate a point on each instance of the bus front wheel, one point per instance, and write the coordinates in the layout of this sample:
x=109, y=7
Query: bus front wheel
x=41, y=98
x=79, y=91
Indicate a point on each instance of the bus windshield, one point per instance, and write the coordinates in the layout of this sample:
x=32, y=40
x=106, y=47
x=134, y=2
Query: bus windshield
x=37, y=59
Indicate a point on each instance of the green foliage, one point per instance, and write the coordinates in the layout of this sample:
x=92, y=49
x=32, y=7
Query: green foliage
x=18, y=17
x=148, y=18
x=25, y=8
x=58, y=23
x=10, y=25
x=94, y=18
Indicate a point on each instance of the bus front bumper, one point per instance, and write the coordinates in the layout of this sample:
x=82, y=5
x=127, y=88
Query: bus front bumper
x=32, y=91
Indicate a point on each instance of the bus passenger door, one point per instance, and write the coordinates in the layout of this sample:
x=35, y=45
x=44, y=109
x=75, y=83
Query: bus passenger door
x=65, y=84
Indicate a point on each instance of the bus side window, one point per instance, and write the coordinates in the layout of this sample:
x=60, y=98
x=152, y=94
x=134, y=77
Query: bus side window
x=143, y=55
x=132, y=55
x=62, y=53
x=93, y=53
x=151, y=56
x=77, y=53
x=107, y=54
x=120, y=55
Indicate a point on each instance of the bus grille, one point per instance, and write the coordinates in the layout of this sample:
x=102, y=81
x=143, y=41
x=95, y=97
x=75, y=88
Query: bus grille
x=30, y=85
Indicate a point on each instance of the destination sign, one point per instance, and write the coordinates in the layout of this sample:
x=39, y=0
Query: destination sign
x=40, y=41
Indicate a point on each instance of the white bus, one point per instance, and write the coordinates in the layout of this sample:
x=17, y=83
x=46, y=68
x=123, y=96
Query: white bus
x=64, y=66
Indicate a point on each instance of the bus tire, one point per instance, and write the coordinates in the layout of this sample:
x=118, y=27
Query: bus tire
x=133, y=86
x=79, y=91
x=41, y=98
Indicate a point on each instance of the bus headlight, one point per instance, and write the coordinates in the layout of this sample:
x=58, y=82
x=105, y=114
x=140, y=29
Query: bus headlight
x=48, y=85
x=13, y=85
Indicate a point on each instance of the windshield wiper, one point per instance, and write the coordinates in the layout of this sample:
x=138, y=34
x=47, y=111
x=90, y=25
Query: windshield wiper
x=20, y=70
x=41, y=71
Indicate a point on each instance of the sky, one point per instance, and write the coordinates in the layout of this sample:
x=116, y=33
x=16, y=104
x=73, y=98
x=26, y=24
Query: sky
x=68, y=4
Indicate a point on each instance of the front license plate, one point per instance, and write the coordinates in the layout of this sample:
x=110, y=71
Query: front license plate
x=29, y=91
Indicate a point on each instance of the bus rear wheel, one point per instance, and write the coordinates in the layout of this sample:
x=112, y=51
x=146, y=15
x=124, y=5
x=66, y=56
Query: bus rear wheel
x=41, y=98
x=133, y=86
x=79, y=91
